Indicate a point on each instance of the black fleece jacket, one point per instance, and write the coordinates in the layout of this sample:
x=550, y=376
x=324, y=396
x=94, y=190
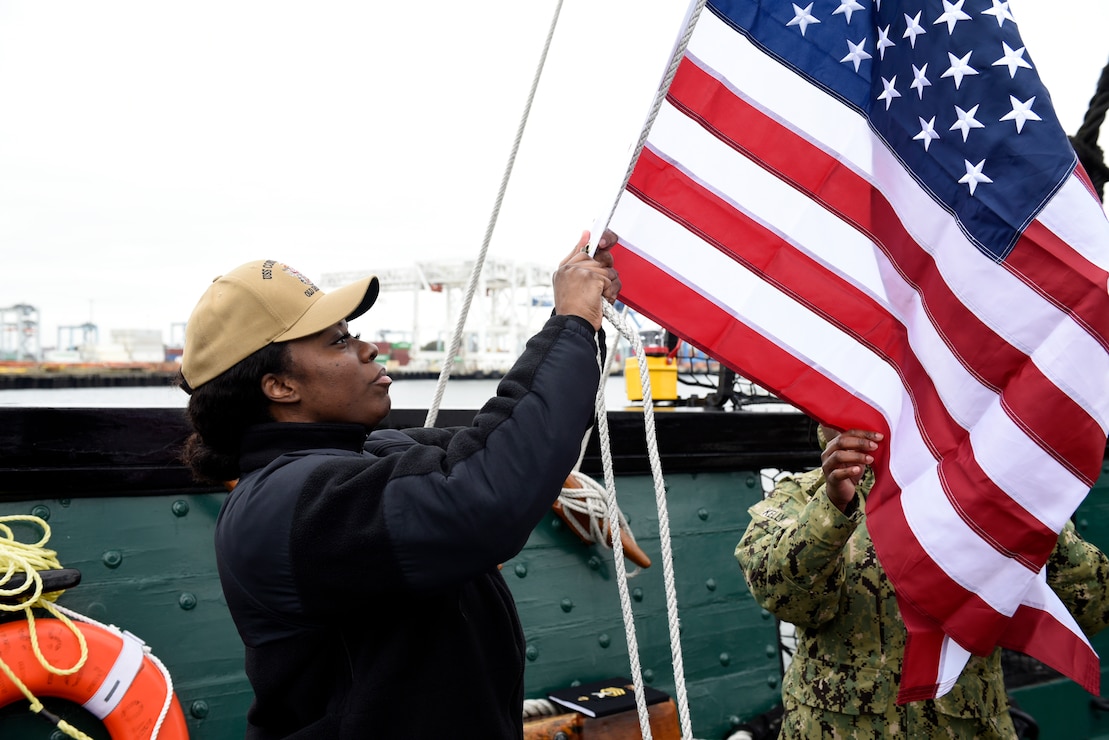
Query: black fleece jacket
x=361, y=572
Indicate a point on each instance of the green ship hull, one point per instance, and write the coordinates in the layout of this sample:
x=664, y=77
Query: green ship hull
x=126, y=515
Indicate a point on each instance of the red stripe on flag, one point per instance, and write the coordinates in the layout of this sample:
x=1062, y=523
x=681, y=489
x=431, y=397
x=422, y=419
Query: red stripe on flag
x=1012, y=531
x=1046, y=263
x=707, y=324
x=1037, y=634
x=920, y=667
x=1084, y=178
x=968, y=619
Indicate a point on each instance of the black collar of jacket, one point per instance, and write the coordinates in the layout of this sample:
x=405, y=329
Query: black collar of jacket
x=265, y=443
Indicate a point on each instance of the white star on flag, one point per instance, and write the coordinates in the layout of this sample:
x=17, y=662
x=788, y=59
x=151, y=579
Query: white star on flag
x=846, y=8
x=974, y=175
x=960, y=68
x=952, y=14
x=927, y=132
x=1000, y=10
x=802, y=18
x=1021, y=112
x=884, y=41
x=920, y=81
x=888, y=92
x=856, y=53
x=966, y=121
x=913, y=29
x=1012, y=59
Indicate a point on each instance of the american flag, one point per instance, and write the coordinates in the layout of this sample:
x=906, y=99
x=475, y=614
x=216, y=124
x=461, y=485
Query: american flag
x=870, y=208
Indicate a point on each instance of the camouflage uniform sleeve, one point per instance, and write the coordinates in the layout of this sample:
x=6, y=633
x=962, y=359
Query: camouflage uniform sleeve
x=1078, y=573
x=791, y=553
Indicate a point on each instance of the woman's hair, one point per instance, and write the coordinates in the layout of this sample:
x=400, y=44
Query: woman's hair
x=221, y=410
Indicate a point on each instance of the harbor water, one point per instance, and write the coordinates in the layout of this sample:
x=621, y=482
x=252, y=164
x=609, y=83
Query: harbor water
x=462, y=393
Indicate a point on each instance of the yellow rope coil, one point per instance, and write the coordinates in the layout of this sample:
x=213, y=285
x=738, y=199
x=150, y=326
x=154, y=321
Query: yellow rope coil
x=28, y=559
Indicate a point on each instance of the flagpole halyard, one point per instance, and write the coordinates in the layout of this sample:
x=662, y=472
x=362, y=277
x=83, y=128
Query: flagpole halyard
x=689, y=23
x=673, y=622
x=479, y=264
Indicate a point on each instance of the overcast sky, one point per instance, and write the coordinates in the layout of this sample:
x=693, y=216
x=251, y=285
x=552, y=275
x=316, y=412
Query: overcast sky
x=147, y=146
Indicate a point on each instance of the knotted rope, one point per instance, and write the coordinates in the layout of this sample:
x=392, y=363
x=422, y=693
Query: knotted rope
x=588, y=498
x=1090, y=154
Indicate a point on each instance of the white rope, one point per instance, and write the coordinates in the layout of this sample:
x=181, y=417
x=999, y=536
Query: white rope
x=479, y=264
x=692, y=15
x=590, y=500
x=146, y=652
x=652, y=445
x=618, y=555
x=540, y=708
x=615, y=518
x=664, y=536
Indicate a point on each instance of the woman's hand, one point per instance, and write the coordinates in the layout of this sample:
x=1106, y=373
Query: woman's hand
x=581, y=281
x=843, y=461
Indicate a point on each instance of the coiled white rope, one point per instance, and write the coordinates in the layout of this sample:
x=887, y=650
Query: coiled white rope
x=591, y=500
x=540, y=708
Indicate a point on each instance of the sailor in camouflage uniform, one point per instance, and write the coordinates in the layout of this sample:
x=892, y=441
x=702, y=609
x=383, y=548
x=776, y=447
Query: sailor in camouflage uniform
x=809, y=560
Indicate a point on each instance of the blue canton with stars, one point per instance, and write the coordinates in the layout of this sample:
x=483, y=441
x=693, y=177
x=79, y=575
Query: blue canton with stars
x=947, y=84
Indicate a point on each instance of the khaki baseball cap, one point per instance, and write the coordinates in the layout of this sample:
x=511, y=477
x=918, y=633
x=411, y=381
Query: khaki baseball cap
x=257, y=304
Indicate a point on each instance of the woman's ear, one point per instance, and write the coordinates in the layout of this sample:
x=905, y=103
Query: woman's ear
x=278, y=389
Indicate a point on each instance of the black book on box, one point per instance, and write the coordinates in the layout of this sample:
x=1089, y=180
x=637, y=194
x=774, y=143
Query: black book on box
x=602, y=698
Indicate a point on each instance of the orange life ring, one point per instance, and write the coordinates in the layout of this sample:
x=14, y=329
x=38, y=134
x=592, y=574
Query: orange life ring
x=119, y=684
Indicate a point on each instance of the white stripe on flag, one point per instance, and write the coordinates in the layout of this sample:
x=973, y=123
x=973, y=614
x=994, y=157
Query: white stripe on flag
x=1068, y=216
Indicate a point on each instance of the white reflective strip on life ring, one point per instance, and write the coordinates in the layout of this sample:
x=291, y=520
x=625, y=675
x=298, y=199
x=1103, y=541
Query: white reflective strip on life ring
x=119, y=678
